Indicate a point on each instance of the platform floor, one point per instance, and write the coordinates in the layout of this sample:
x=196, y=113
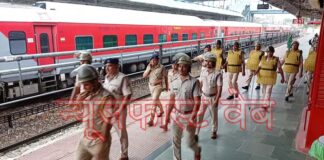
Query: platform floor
x=255, y=142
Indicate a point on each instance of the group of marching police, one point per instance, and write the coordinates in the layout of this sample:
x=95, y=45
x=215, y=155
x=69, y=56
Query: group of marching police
x=189, y=97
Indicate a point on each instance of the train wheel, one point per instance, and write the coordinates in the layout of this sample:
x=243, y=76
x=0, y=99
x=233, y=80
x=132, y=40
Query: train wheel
x=132, y=68
x=140, y=67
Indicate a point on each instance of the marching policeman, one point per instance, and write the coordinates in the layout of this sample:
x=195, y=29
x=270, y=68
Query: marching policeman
x=253, y=63
x=156, y=73
x=310, y=65
x=235, y=64
x=267, y=73
x=97, y=105
x=185, y=98
x=173, y=74
x=211, y=82
x=118, y=84
x=219, y=52
x=85, y=58
x=293, y=63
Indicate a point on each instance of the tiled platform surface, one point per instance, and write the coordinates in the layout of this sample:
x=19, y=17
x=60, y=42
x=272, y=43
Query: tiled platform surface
x=253, y=143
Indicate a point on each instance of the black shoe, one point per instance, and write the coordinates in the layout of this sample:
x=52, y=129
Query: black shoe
x=236, y=96
x=305, y=82
x=307, y=93
x=291, y=95
x=257, y=87
x=196, y=138
x=287, y=98
x=230, y=97
x=246, y=87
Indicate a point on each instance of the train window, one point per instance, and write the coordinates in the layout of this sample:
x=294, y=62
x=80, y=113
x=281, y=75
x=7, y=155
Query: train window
x=110, y=41
x=202, y=35
x=174, y=37
x=162, y=38
x=44, y=44
x=131, y=39
x=17, y=42
x=84, y=42
x=148, y=38
x=194, y=36
x=184, y=37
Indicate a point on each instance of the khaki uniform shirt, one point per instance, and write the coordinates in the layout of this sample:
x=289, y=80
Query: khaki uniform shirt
x=210, y=81
x=96, y=112
x=156, y=73
x=172, y=76
x=185, y=91
x=119, y=85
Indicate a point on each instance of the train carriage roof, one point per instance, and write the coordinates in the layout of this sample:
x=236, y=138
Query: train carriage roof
x=232, y=23
x=74, y=13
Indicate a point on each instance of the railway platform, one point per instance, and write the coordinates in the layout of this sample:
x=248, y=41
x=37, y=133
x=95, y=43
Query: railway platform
x=248, y=138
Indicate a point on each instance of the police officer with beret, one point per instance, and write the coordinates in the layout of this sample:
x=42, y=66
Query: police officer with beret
x=156, y=74
x=119, y=85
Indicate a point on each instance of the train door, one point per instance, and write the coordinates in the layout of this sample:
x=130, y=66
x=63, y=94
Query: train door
x=44, y=43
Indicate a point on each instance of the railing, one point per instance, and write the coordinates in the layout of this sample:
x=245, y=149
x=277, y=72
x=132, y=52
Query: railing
x=265, y=38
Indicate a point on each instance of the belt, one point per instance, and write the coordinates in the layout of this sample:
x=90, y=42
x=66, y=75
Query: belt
x=154, y=84
x=209, y=95
x=296, y=65
x=186, y=112
x=267, y=69
x=234, y=65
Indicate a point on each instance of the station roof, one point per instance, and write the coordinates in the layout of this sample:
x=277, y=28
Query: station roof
x=165, y=6
x=295, y=6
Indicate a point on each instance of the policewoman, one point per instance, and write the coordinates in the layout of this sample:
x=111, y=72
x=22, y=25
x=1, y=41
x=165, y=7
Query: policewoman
x=267, y=73
x=234, y=65
x=293, y=64
x=252, y=64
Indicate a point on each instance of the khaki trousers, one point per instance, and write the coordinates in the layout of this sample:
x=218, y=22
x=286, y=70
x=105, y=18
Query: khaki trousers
x=155, y=93
x=210, y=103
x=309, y=79
x=248, y=81
x=232, y=81
x=98, y=151
x=266, y=92
x=290, y=79
x=120, y=127
x=180, y=124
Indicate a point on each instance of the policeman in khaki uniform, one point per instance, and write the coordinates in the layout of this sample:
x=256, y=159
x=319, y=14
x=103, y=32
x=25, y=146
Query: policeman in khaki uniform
x=219, y=52
x=267, y=73
x=293, y=63
x=211, y=82
x=310, y=65
x=185, y=98
x=235, y=64
x=118, y=84
x=253, y=63
x=173, y=74
x=85, y=58
x=97, y=105
x=156, y=73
